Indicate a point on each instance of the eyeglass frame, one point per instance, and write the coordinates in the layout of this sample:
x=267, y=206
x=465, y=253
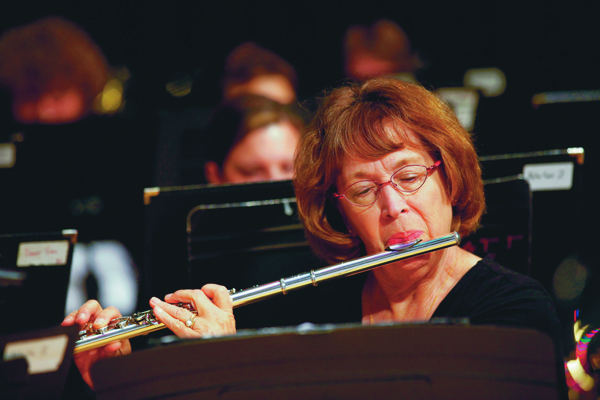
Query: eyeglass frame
x=380, y=186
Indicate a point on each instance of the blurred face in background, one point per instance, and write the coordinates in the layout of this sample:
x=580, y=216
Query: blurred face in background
x=264, y=154
x=275, y=87
x=53, y=107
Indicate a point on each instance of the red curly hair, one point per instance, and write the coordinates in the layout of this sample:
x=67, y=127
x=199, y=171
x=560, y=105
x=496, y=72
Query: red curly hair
x=352, y=120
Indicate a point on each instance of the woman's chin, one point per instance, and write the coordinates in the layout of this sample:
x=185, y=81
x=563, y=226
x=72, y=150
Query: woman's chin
x=411, y=264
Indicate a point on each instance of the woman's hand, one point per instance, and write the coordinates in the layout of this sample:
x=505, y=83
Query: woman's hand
x=214, y=307
x=91, y=312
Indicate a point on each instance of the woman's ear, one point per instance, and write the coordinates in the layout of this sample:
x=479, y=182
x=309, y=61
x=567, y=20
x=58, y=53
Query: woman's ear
x=212, y=172
x=351, y=232
x=336, y=217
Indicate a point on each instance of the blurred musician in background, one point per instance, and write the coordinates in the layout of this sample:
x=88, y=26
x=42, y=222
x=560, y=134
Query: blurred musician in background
x=67, y=165
x=384, y=162
x=380, y=49
x=252, y=69
x=53, y=71
x=252, y=139
x=259, y=94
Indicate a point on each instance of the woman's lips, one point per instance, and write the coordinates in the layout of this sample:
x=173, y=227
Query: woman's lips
x=403, y=237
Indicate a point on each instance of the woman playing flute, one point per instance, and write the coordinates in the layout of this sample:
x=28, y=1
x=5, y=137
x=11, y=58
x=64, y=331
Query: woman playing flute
x=383, y=162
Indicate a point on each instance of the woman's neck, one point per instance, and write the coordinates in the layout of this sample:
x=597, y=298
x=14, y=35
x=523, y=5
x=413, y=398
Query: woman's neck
x=397, y=293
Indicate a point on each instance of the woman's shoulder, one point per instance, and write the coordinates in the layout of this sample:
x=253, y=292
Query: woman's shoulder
x=492, y=294
x=487, y=274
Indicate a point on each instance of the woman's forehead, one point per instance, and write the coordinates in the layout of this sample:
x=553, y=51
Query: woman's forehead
x=375, y=140
x=355, y=167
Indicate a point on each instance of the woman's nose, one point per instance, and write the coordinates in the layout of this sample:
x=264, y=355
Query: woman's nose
x=392, y=202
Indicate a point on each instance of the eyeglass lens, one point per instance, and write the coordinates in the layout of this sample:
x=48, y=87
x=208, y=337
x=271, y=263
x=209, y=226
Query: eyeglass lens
x=407, y=179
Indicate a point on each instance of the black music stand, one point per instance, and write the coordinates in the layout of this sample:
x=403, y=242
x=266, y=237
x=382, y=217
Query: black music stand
x=34, y=277
x=234, y=235
x=555, y=235
x=505, y=229
x=35, y=364
x=422, y=360
x=192, y=230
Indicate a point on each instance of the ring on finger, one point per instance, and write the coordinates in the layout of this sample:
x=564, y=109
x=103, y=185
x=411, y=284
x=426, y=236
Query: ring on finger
x=191, y=321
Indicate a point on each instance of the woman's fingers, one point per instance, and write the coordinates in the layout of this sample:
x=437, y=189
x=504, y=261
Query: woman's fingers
x=204, y=300
x=84, y=314
x=219, y=296
x=183, y=296
x=91, y=312
x=174, y=318
x=117, y=348
x=105, y=316
x=196, y=298
x=213, y=305
x=69, y=319
x=86, y=359
x=110, y=350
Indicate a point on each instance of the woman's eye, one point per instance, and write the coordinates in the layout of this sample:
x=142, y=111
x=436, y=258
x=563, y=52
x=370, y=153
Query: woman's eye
x=408, y=178
x=364, y=191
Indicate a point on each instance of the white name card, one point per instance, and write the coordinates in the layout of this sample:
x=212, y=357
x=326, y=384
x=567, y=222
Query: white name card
x=43, y=253
x=552, y=176
x=42, y=355
x=8, y=155
x=464, y=103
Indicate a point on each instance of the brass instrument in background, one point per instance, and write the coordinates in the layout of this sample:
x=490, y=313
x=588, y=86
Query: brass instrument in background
x=145, y=322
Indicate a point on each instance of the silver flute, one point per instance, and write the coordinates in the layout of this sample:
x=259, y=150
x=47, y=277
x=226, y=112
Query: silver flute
x=142, y=323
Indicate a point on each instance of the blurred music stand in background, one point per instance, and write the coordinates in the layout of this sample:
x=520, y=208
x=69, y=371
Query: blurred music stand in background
x=34, y=276
x=445, y=360
x=505, y=230
x=555, y=178
x=235, y=235
x=35, y=364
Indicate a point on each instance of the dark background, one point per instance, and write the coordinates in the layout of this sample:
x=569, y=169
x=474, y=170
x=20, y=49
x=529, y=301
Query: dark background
x=540, y=46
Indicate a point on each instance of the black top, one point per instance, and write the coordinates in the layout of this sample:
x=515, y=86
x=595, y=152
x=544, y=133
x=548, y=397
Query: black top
x=488, y=294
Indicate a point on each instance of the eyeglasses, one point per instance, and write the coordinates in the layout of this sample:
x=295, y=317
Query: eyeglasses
x=407, y=179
